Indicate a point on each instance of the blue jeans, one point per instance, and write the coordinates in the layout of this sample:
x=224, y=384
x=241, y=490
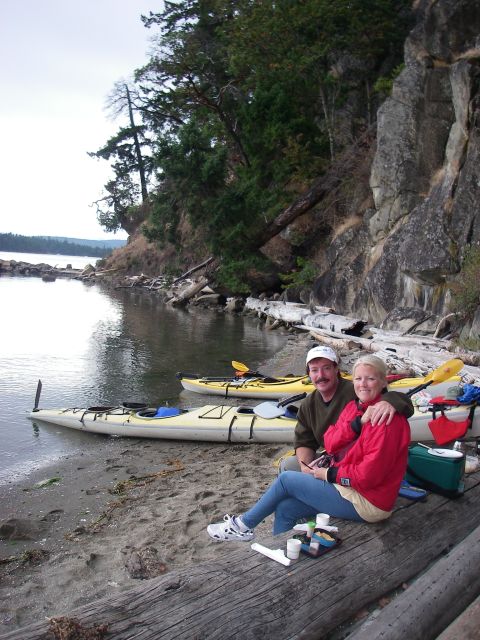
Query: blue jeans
x=294, y=495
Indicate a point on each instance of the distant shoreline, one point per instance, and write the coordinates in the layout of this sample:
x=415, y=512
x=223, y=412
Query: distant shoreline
x=31, y=261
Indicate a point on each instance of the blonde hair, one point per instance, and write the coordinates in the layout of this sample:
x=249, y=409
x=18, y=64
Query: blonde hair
x=372, y=361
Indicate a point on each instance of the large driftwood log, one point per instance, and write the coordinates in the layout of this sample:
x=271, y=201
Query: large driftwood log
x=297, y=313
x=184, y=296
x=465, y=626
x=445, y=590
x=418, y=353
x=245, y=595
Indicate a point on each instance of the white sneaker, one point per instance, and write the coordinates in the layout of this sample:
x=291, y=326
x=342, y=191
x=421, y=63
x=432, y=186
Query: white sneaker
x=230, y=529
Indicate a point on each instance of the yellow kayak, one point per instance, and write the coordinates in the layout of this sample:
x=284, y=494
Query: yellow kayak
x=270, y=388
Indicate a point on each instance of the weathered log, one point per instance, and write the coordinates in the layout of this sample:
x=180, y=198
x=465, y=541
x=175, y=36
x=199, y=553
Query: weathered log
x=340, y=344
x=205, y=263
x=189, y=292
x=322, y=335
x=245, y=595
x=445, y=590
x=297, y=313
x=467, y=356
x=442, y=321
x=466, y=626
x=419, y=353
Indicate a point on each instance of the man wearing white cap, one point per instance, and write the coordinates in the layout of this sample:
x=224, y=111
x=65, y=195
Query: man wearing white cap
x=321, y=408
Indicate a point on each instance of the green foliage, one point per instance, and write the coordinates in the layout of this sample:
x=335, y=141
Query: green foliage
x=239, y=105
x=466, y=291
x=384, y=85
x=303, y=276
x=238, y=271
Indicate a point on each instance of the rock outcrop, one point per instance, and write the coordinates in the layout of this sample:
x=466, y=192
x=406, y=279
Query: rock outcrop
x=425, y=178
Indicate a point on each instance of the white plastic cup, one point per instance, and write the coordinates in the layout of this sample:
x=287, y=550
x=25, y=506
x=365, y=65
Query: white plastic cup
x=293, y=548
x=322, y=519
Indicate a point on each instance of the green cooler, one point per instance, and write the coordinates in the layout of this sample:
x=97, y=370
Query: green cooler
x=439, y=470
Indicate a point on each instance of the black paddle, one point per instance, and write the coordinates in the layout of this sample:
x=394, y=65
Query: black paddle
x=37, y=395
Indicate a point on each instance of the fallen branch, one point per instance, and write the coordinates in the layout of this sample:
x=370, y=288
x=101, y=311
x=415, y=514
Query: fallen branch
x=193, y=269
x=442, y=321
x=189, y=292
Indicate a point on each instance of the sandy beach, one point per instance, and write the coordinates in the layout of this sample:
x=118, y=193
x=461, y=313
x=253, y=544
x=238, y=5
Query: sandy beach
x=91, y=525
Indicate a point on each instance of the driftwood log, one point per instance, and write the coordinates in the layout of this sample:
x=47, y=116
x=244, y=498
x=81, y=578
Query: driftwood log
x=297, y=313
x=184, y=296
x=420, y=354
x=245, y=595
x=448, y=586
x=465, y=626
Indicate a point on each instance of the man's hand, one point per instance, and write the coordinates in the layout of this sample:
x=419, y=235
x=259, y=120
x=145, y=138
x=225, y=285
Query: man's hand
x=305, y=456
x=379, y=413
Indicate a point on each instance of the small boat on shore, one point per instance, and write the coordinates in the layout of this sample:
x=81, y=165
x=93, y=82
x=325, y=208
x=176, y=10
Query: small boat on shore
x=270, y=388
x=210, y=423
x=272, y=422
x=215, y=423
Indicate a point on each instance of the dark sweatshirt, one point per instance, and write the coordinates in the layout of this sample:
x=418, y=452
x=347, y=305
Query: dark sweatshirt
x=315, y=416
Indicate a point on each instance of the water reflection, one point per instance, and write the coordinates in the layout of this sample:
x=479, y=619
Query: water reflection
x=92, y=346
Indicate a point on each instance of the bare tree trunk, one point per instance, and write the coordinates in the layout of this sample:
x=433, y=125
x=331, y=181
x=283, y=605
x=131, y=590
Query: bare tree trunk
x=193, y=269
x=343, y=166
x=138, y=151
x=328, y=114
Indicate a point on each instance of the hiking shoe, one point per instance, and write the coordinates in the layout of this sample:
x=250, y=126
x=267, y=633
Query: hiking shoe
x=230, y=529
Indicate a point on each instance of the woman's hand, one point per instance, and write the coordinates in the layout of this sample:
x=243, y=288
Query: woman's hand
x=320, y=473
x=379, y=413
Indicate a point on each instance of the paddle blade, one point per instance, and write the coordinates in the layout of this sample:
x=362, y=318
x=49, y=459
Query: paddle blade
x=268, y=410
x=239, y=366
x=276, y=409
x=445, y=371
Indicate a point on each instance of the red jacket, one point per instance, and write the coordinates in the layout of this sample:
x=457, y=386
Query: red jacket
x=376, y=460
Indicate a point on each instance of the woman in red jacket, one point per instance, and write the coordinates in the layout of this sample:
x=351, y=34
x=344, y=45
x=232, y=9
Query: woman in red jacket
x=362, y=483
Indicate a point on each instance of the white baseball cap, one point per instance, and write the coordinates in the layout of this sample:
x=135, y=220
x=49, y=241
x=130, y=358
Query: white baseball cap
x=322, y=352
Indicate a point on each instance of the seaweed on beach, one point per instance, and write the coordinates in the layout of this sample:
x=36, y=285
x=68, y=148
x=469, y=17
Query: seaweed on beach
x=64, y=628
x=121, y=489
x=123, y=486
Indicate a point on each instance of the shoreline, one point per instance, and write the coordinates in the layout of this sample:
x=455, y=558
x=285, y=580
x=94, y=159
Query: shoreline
x=130, y=509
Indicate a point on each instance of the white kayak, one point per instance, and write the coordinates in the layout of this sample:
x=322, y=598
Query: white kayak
x=212, y=423
x=209, y=423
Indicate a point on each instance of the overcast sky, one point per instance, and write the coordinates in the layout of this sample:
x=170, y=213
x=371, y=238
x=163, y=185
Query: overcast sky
x=60, y=59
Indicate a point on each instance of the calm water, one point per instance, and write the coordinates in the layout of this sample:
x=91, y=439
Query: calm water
x=93, y=346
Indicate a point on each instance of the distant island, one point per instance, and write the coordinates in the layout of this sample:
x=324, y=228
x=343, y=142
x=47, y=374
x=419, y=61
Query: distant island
x=58, y=245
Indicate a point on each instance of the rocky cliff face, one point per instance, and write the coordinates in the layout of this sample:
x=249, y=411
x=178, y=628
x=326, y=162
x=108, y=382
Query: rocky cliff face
x=399, y=259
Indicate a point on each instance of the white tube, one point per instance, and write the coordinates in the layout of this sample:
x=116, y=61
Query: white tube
x=278, y=555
